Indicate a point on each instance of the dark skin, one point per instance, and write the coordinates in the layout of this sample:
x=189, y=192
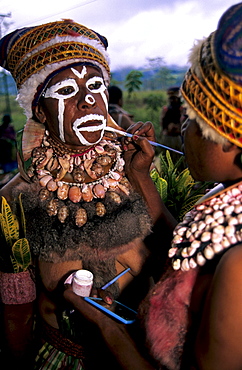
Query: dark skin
x=217, y=295
x=205, y=163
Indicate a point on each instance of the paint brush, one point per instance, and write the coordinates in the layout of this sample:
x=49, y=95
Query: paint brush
x=116, y=278
x=124, y=133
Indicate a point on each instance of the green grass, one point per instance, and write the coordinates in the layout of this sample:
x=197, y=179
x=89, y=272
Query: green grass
x=140, y=106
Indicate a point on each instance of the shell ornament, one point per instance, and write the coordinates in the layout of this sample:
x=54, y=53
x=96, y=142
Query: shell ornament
x=72, y=176
x=208, y=229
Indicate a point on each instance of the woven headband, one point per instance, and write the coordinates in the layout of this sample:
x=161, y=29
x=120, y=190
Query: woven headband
x=212, y=93
x=27, y=56
x=32, y=54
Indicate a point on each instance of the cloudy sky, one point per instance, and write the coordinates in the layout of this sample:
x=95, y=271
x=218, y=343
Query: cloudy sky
x=135, y=29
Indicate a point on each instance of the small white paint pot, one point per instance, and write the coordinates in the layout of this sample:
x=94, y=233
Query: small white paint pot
x=82, y=283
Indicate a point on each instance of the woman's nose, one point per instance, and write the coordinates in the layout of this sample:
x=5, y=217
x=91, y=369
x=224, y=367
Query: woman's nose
x=89, y=99
x=86, y=101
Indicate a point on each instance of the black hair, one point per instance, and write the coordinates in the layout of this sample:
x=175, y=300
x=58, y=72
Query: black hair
x=7, y=119
x=115, y=94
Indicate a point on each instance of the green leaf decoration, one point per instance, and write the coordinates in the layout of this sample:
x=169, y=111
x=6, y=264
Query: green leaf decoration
x=177, y=188
x=21, y=253
x=9, y=223
x=154, y=174
x=160, y=183
x=15, y=254
x=15, y=266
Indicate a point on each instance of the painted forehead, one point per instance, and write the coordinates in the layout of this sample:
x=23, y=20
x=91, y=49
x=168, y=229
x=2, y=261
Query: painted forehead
x=78, y=71
x=68, y=87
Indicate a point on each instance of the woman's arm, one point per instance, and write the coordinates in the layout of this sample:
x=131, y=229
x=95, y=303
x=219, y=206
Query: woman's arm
x=139, y=155
x=218, y=344
x=114, y=334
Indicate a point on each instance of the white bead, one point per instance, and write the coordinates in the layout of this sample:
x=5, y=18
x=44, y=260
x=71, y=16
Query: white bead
x=184, y=252
x=208, y=252
x=185, y=265
x=200, y=259
x=217, y=247
x=196, y=244
x=172, y=252
x=192, y=263
x=229, y=230
x=176, y=264
x=206, y=236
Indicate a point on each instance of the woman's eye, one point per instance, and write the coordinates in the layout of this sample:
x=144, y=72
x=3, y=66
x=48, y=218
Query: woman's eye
x=95, y=86
x=67, y=90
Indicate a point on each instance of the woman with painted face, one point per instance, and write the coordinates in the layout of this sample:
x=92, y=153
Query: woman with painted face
x=84, y=90
x=192, y=318
x=71, y=206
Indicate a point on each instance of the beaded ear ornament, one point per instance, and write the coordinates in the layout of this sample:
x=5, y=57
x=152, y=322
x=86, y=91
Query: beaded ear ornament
x=72, y=175
x=208, y=229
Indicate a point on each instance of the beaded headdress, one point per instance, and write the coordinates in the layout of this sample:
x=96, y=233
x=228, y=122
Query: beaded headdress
x=213, y=85
x=33, y=55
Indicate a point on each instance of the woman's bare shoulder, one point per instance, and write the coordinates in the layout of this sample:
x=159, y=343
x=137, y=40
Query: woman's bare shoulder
x=228, y=274
x=231, y=261
x=218, y=343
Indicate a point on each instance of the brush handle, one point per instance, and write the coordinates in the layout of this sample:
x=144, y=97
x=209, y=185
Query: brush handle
x=114, y=279
x=124, y=133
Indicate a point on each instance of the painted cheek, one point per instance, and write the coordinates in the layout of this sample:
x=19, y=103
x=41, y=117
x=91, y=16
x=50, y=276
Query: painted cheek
x=61, y=111
x=105, y=100
x=53, y=93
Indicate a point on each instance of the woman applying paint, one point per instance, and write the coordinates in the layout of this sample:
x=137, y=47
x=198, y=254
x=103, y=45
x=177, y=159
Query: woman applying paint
x=192, y=318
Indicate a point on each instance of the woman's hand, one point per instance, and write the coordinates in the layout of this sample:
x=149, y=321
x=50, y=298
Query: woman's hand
x=114, y=334
x=91, y=313
x=138, y=156
x=139, y=153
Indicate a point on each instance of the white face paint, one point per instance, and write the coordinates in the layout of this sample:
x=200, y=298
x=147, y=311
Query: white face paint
x=77, y=127
x=68, y=88
x=78, y=74
x=96, y=86
x=53, y=92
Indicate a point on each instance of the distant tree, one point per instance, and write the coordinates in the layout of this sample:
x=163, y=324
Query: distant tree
x=155, y=63
x=153, y=66
x=164, y=78
x=133, y=81
x=161, y=77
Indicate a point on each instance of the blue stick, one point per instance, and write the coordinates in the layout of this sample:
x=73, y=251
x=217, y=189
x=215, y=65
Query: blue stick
x=124, y=133
x=114, y=279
